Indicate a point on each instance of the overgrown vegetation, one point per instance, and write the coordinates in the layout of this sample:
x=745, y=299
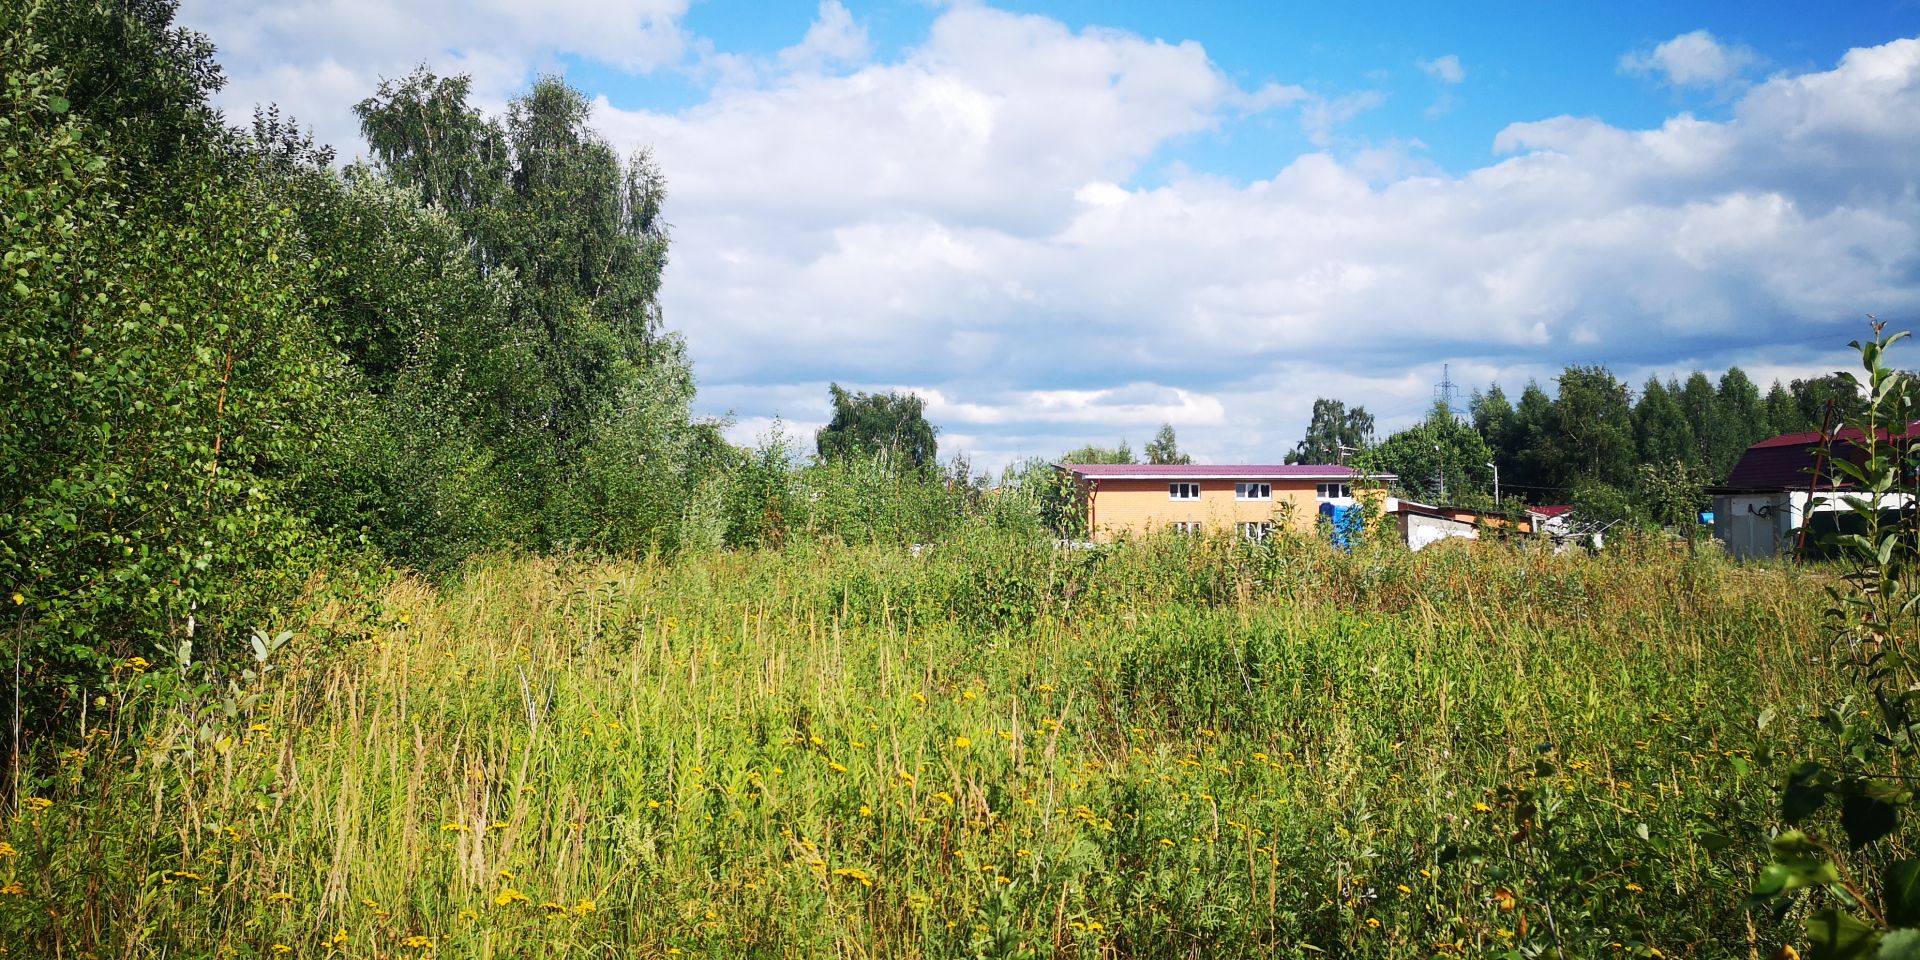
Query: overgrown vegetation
x=994, y=748
x=371, y=592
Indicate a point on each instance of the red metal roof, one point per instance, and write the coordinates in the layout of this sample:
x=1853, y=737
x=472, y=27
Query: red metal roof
x=1786, y=462
x=1207, y=471
x=1812, y=437
x=1551, y=511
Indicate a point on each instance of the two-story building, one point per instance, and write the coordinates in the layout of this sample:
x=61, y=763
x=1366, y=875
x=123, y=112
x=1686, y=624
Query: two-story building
x=1198, y=498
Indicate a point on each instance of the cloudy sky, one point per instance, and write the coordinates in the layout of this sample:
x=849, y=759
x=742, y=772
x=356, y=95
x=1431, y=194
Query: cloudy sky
x=1069, y=222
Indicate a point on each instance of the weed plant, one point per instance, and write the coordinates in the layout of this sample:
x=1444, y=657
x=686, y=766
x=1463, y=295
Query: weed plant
x=1175, y=747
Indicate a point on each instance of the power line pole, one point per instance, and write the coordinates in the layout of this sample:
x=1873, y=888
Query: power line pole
x=1446, y=390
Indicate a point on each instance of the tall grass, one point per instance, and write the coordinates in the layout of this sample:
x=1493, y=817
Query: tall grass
x=1174, y=748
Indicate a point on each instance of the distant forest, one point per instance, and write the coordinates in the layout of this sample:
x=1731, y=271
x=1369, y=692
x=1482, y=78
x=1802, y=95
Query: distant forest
x=1595, y=442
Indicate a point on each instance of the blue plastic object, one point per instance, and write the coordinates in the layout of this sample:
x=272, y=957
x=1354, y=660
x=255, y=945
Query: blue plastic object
x=1344, y=524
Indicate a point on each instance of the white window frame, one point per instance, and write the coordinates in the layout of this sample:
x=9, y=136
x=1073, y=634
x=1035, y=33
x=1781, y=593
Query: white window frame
x=1252, y=490
x=1187, y=526
x=1333, y=491
x=1256, y=529
x=1183, y=490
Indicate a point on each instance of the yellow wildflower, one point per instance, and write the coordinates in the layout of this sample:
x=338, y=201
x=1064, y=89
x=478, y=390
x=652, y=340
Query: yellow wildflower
x=339, y=938
x=456, y=828
x=944, y=797
x=866, y=811
x=417, y=942
x=281, y=948
x=280, y=897
x=836, y=766
x=509, y=896
x=18, y=599
x=7, y=850
x=13, y=889
x=962, y=743
x=1373, y=923
x=584, y=907
x=36, y=804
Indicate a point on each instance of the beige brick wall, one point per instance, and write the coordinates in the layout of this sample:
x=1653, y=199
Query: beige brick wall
x=1142, y=506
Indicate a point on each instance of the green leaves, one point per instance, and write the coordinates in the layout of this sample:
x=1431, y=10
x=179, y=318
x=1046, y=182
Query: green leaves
x=1867, y=819
x=1834, y=934
x=1797, y=862
x=1808, y=786
x=1900, y=891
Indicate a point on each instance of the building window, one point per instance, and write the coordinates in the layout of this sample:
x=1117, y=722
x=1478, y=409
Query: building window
x=1253, y=491
x=1334, y=491
x=1183, y=491
x=1257, y=530
x=1185, y=526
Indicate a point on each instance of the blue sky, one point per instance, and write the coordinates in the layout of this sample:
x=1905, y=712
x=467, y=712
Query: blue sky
x=1069, y=222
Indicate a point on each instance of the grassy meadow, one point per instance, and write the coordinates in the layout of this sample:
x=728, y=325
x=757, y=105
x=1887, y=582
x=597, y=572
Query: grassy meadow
x=1176, y=748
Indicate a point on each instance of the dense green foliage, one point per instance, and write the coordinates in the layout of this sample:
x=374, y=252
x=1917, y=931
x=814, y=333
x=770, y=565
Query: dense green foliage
x=1442, y=459
x=1164, y=448
x=1591, y=442
x=887, y=425
x=166, y=391
x=232, y=365
x=1093, y=453
x=1333, y=433
x=1863, y=895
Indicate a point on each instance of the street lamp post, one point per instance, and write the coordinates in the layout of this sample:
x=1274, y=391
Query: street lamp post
x=1496, y=484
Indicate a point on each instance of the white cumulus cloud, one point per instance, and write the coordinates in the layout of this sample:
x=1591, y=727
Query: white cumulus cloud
x=1445, y=69
x=1695, y=59
x=982, y=218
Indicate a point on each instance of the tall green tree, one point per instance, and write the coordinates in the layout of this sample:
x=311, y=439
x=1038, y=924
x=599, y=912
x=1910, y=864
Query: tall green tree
x=543, y=196
x=1701, y=403
x=1494, y=417
x=1660, y=426
x=558, y=337
x=1813, y=395
x=1334, y=432
x=1442, y=458
x=867, y=425
x=1593, y=438
x=1783, y=415
x=1164, y=448
x=1743, y=421
x=1530, y=456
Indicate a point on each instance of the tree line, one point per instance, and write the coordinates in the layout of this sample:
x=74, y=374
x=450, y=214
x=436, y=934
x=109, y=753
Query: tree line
x=1594, y=442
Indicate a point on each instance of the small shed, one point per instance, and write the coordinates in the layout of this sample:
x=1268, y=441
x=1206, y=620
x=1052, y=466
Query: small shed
x=1771, y=491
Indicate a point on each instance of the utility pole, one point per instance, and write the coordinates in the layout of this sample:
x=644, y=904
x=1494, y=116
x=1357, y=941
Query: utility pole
x=1439, y=477
x=1496, y=484
x=1446, y=390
